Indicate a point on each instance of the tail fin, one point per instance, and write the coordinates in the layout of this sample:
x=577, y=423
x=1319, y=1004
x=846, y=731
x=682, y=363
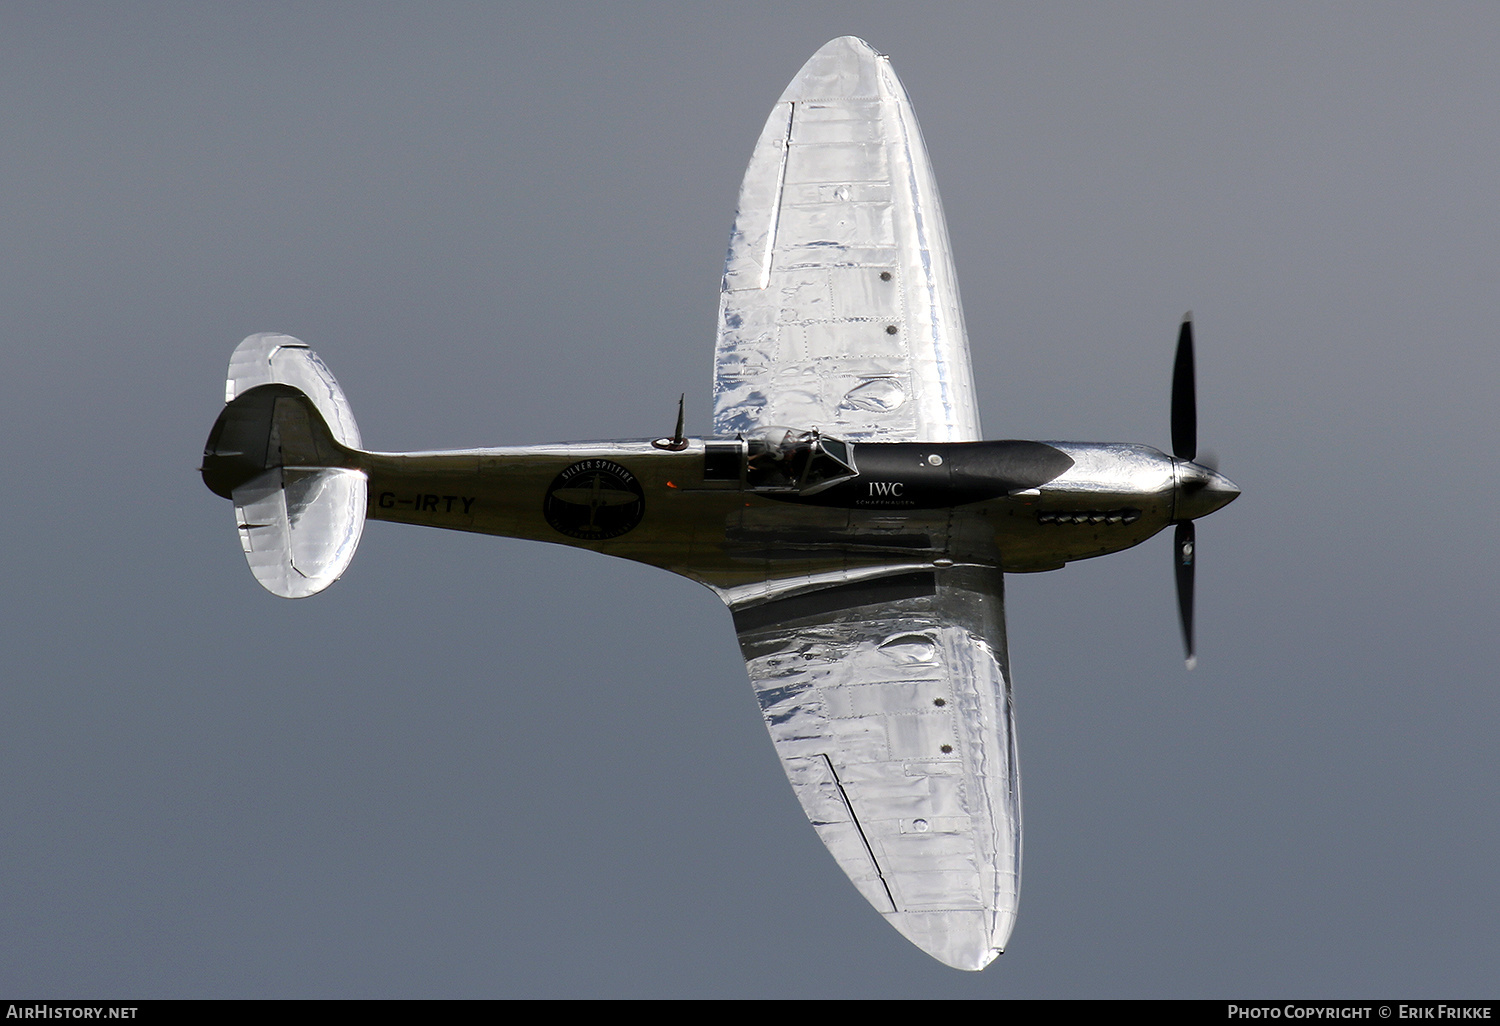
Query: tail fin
x=286, y=451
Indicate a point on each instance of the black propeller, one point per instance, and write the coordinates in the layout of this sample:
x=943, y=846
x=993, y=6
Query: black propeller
x=1184, y=395
x=1185, y=447
x=1182, y=544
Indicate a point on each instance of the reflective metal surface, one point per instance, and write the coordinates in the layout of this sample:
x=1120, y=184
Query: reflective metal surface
x=279, y=450
x=840, y=307
x=1200, y=491
x=299, y=529
x=270, y=357
x=889, y=703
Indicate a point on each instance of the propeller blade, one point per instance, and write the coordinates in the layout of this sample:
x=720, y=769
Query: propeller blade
x=1184, y=396
x=1183, y=546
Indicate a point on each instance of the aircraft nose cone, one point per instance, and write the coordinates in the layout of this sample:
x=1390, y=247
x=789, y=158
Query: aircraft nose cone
x=1201, y=491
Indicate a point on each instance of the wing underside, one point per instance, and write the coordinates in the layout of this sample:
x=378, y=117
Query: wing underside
x=839, y=308
x=889, y=703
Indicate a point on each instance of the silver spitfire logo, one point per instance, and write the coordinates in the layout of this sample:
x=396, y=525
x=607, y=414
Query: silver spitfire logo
x=594, y=499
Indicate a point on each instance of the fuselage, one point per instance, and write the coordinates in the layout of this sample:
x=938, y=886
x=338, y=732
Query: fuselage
x=733, y=514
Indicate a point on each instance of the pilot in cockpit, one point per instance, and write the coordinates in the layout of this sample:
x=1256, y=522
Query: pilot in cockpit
x=782, y=458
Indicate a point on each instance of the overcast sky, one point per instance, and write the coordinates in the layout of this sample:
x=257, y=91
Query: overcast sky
x=482, y=767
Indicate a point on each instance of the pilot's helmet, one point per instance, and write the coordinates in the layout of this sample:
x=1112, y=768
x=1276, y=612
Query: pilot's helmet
x=778, y=442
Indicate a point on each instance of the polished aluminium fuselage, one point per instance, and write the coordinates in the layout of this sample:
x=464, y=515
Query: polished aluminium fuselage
x=746, y=543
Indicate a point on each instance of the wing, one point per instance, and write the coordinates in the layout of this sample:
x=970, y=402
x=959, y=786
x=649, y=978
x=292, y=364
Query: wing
x=839, y=307
x=889, y=703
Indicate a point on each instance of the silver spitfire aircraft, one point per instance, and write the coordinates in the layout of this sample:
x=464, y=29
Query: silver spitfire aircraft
x=845, y=508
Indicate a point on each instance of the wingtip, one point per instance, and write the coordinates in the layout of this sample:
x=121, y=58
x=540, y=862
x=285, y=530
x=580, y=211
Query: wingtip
x=1192, y=662
x=851, y=42
x=843, y=68
x=968, y=940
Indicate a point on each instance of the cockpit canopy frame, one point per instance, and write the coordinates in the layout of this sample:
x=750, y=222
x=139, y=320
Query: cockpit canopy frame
x=789, y=461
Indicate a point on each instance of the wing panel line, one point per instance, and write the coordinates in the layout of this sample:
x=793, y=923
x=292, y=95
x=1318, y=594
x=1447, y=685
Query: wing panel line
x=854, y=818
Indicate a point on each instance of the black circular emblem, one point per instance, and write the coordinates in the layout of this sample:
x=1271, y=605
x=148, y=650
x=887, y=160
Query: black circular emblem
x=594, y=499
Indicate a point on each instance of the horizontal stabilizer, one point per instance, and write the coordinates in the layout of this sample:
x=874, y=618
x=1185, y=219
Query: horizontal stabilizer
x=299, y=528
x=271, y=358
x=285, y=450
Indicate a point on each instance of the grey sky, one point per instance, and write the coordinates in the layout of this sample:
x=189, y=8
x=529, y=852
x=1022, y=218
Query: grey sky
x=478, y=767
